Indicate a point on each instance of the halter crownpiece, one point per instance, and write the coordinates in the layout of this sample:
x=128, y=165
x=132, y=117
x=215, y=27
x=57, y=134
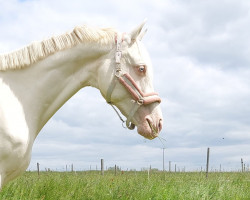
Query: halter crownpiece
x=139, y=98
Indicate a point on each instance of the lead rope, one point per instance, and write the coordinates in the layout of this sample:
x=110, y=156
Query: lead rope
x=118, y=114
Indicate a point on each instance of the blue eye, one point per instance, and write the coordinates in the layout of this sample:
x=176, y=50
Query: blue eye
x=142, y=68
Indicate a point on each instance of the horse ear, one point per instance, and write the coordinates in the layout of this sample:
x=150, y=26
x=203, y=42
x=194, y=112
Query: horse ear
x=142, y=34
x=137, y=31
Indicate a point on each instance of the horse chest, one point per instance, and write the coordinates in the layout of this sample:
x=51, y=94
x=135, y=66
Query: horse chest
x=14, y=132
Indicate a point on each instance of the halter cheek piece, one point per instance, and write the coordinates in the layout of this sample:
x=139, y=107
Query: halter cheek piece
x=139, y=98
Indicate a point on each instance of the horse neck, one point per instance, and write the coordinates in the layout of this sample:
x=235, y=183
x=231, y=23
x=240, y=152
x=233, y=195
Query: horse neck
x=44, y=87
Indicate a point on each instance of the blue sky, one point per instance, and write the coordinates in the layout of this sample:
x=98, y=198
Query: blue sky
x=200, y=53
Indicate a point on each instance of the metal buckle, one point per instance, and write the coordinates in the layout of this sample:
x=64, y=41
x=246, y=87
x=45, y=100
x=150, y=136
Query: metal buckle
x=140, y=102
x=118, y=72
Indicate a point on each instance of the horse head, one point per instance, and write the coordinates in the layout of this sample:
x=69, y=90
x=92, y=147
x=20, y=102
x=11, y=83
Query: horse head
x=127, y=83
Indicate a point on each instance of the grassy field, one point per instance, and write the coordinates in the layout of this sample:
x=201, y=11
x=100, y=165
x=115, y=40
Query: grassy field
x=127, y=185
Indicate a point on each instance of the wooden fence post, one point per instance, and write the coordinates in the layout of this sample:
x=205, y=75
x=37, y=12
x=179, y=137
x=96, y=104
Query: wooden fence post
x=102, y=166
x=163, y=160
x=115, y=170
x=208, y=149
x=38, y=170
x=242, y=165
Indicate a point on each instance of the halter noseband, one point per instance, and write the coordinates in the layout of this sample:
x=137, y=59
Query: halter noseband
x=139, y=98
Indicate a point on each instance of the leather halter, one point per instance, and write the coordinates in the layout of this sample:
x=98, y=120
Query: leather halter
x=139, y=98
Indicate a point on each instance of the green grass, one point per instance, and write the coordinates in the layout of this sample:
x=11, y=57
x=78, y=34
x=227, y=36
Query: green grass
x=129, y=185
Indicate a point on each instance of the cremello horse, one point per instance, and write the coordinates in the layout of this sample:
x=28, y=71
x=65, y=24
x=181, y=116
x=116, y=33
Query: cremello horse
x=38, y=79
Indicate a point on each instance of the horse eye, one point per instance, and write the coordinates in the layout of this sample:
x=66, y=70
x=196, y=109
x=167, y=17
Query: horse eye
x=142, y=68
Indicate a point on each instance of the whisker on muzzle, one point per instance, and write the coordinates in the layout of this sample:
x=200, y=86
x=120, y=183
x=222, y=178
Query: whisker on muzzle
x=154, y=131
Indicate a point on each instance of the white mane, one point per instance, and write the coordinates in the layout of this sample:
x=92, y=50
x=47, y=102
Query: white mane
x=38, y=50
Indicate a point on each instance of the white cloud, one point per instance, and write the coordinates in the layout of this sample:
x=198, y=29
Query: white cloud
x=209, y=32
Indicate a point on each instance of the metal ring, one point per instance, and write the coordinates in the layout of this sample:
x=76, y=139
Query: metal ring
x=140, y=102
x=130, y=126
x=124, y=125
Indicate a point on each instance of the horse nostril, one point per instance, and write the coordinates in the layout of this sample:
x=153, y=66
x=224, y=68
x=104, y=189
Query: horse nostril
x=159, y=125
